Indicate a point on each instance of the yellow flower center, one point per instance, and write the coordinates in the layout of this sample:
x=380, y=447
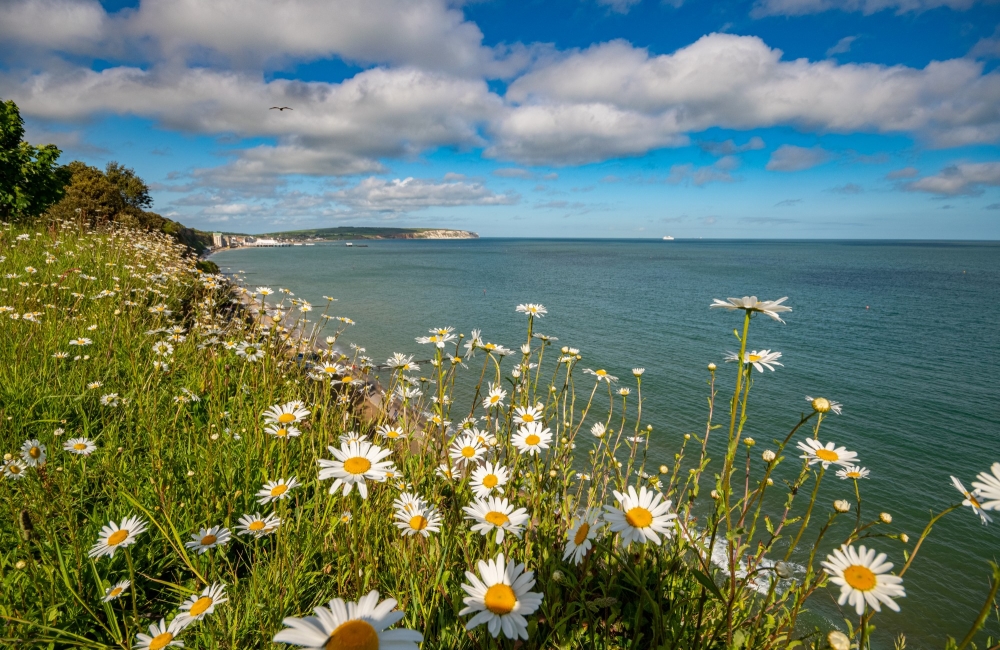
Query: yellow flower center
x=200, y=606
x=468, y=452
x=161, y=641
x=117, y=537
x=114, y=592
x=278, y=490
x=500, y=599
x=256, y=525
x=821, y=405
x=357, y=465
x=282, y=432
x=392, y=434
x=827, y=455
x=286, y=418
x=347, y=379
x=854, y=475
x=418, y=522
x=753, y=358
x=860, y=577
x=490, y=481
x=494, y=399
x=208, y=539
x=581, y=533
x=601, y=373
x=353, y=635
x=532, y=440
x=79, y=446
x=498, y=519
x=639, y=517
x=527, y=417
x=34, y=452
x=14, y=468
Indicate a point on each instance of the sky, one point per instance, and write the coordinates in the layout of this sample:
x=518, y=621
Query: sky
x=806, y=119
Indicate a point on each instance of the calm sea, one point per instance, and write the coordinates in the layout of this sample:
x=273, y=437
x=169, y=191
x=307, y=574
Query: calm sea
x=904, y=334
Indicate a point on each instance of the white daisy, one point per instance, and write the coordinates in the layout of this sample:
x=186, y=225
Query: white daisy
x=824, y=405
x=863, y=578
x=769, y=308
x=409, y=502
x=282, y=431
x=250, y=351
x=80, y=446
x=14, y=468
x=602, y=375
x=487, y=479
x=350, y=626
x=276, y=490
x=161, y=635
x=971, y=501
x=501, y=599
x=198, y=606
x=531, y=309
x=423, y=521
x=285, y=414
x=580, y=537
x=988, y=487
x=391, y=431
x=527, y=414
x=855, y=472
x=532, y=438
x=466, y=449
x=163, y=349
x=641, y=516
x=116, y=590
x=82, y=341
x=815, y=452
x=495, y=397
x=33, y=452
x=355, y=463
x=758, y=359
x=258, y=525
x=496, y=513
x=208, y=538
x=114, y=536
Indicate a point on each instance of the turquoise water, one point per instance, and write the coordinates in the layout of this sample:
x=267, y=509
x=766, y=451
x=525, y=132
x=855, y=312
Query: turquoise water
x=903, y=334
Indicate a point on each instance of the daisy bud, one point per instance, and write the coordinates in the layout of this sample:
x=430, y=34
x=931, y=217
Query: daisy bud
x=711, y=367
x=687, y=436
x=768, y=456
x=821, y=405
x=749, y=442
x=553, y=473
x=885, y=518
x=190, y=472
x=20, y=565
x=557, y=576
x=903, y=537
x=120, y=450
x=7, y=456
x=649, y=427
x=770, y=481
x=840, y=505
x=838, y=640
x=525, y=348
x=715, y=494
x=564, y=349
x=664, y=469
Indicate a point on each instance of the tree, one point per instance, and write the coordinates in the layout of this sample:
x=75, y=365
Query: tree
x=30, y=178
x=133, y=190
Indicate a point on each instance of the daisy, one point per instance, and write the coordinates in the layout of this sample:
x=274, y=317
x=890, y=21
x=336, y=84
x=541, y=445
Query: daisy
x=257, y=525
x=408, y=503
x=160, y=309
x=116, y=590
x=863, y=578
x=495, y=397
x=971, y=501
x=446, y=473
x=208, y=538
x=527, y=414
x=282, y=431
x=853, y=472
x=769, y=308
x=163, y=349
x=289, y=413
x=80, y=446
x=532, y=438
x=391, y=431
x=33, y=453
x=420, y=522
x=345, y=517
x=82, y=341
x=531, y=309
x=580, y=537
x=466, y=449
x=401, y=362
x=114, y=536
x=496, y=513
x=161, y=635
x=602, y=375
x=111, y=399
x=14, y=468
x=275, y=490
x=758, y=359
x=264, y=291
x=355, y=463
x=488, y=478
x=988, y=487
x=249, y=351
x=817, y=453
x=501, y=599
x=197, y=607
x=346, y=626
x=641, y=516
x=824, y=405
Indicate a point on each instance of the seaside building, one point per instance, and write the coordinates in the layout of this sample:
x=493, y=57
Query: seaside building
x=217, y=239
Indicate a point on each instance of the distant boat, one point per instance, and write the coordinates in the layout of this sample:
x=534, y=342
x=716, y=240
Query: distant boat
x=349, y=244
x=668, y=238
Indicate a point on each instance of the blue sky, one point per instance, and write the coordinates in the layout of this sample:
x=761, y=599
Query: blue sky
x=554, y=118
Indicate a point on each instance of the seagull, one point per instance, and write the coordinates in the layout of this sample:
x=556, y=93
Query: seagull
x=281, y=108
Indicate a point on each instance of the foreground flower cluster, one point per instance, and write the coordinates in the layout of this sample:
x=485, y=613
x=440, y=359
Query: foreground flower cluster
x=190, y=461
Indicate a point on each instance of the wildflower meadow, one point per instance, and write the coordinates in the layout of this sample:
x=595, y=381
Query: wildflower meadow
x=193, y=462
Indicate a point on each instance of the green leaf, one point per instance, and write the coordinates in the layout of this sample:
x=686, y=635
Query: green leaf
x=708, y=584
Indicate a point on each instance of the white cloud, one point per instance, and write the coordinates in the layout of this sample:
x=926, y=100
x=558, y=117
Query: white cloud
x=905, y=172
x=614, y=99
x=842, y=46
x=64, y=25
x=963, y=178
x=409, y=194
x=802, y=7
x=718, y=172
x=789, y=158
x=987, y=48
x=729, y=147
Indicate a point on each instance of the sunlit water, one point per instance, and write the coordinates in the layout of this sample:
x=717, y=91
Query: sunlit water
x=903, y=334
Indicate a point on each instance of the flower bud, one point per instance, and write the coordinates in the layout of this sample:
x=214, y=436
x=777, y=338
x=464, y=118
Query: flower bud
x=715, y=494
x=553, y=473
x=20, y=565
x=840, y=505
x=687, y=436
x=557, y=576
x=783, y=569
x=664, y=469
x=749, y=442
x=838, y=640
x=903, y=537
x=768, y=456
x=821, y=405
x=885, y=518
x=711, y=367
x=770, y=481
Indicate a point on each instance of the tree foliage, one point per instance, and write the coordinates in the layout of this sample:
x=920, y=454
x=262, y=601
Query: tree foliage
x=31, y=180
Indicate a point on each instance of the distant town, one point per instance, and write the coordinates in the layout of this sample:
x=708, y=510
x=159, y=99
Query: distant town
x=310, y=237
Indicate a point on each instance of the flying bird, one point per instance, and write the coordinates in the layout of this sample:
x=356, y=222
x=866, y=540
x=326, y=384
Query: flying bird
x=281, y=108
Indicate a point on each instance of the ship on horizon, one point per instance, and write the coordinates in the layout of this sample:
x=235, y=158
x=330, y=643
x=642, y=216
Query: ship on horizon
x=668, y=238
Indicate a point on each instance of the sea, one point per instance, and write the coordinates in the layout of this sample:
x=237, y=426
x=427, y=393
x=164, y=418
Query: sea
x=903, y=333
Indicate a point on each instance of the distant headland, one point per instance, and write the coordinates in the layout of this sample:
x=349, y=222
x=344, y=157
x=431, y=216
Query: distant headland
x=289, y=237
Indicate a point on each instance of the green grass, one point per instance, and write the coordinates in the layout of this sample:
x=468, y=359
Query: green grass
x=183, y=462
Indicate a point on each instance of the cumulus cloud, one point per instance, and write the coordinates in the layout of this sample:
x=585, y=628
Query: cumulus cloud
x=789, y=158
x=988, y=47
x=802, y=7
x=729, y=147
x=963, y=178
x=409, y=194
